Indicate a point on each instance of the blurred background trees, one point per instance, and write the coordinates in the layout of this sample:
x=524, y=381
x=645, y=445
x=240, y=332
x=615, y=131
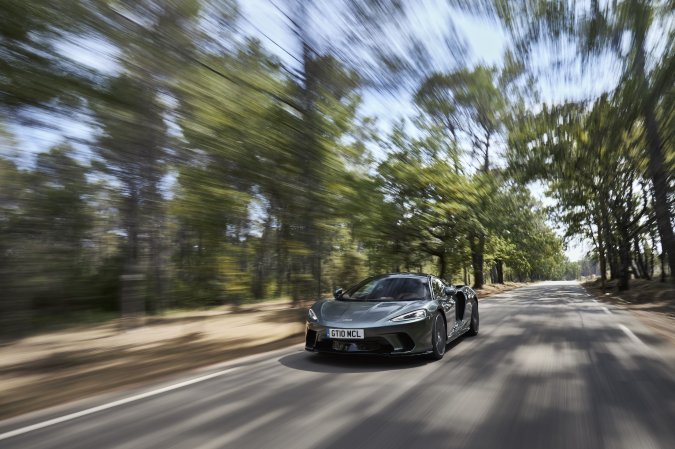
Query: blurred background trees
x=198, y=168
x=608, y=162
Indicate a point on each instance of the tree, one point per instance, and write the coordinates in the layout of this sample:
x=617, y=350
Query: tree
x=236, y=151
x=131, y=145
x=617, y=29
x=155, y=40
x=470, y=107
x=430, y=201
x=46, y=223
x=592, y=167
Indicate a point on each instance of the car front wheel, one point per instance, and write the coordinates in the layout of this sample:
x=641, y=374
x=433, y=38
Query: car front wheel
x=438, y=338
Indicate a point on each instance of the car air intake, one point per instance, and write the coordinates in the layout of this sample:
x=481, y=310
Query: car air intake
x=310, y=339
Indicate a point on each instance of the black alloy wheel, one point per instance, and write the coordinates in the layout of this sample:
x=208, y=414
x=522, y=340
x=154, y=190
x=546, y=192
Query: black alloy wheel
x=438, y=338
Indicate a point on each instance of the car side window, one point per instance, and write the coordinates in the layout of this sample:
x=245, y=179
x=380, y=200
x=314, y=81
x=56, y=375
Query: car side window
x=437, y=287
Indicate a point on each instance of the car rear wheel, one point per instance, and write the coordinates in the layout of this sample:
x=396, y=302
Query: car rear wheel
x=473, y=329
x=438, y=338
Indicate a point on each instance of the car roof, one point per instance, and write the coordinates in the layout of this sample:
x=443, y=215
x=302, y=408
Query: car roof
x=404, y=274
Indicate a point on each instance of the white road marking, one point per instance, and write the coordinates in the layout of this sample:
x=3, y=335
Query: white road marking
x=630, y=334
x=606, y=310
x=99, y=408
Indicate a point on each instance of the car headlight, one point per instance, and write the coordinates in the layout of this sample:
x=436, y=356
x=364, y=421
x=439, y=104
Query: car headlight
x=415, y=315
x=311, y=315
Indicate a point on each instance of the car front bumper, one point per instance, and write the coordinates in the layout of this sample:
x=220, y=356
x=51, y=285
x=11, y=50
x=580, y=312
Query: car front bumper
x=390, y=339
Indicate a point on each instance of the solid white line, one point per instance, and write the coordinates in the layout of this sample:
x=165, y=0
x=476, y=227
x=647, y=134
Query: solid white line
x=606, y=310
x=89, y=411
x=630, y=334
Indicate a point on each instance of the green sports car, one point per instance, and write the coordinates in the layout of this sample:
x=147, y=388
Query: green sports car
x=393, y=314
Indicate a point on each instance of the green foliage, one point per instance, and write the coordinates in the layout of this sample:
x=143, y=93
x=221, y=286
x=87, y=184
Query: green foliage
x=625, y=138
x=219, y=174
x=595, y=170
x=46, y=240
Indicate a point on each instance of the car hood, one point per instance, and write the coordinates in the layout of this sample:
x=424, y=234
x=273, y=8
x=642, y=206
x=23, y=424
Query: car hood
x=353, y=312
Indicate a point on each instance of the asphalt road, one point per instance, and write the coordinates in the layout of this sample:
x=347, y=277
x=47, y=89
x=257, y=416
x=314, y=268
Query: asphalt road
x=551, y=368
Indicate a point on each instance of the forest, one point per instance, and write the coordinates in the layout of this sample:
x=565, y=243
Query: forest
x=200, y=162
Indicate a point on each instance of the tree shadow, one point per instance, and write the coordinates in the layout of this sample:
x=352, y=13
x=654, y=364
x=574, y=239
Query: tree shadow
x=556, y=381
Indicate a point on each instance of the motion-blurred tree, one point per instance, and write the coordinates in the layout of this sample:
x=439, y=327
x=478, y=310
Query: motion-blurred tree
x=592, y=166
x=620, y=30
x=46, y=222
x=221, y=173
x=155, y=40
x=237, y=151
x=471, y=107
x=430, y=199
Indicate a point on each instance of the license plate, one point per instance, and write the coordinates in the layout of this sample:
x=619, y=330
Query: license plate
x=347, y=334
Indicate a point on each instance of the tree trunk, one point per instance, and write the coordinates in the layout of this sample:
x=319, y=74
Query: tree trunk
x=641, y=261
x=657, y=163
x=318, y=272
x=158, y=271
x=660, y=184
x=283, y=259
x=442, y=266
x=260, y=267
x=603, y=267
x=614, y=263
x=602, y=257
x=499, y=265
x=651, y=262
x=477, y=245
x=311, y=157
x=625, y=260
x=132, y=302
x=609, y=244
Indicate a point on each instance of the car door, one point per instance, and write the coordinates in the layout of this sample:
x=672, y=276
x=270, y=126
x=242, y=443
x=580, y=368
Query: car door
x=447, y=303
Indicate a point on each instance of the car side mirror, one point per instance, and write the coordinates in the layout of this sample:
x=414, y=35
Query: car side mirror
x=337, y=293
x=449, y=290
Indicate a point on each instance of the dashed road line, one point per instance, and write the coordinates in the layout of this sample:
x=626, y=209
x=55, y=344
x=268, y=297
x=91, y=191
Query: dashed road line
x=630, y=334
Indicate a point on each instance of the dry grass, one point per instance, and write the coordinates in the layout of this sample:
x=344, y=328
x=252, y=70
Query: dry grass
x=49, y=369
x=494, y=289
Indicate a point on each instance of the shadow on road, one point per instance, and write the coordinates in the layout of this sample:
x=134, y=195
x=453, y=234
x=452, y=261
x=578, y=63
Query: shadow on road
x=549, y=369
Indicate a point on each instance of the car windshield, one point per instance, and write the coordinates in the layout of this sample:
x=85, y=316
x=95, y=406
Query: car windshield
x=389, y=288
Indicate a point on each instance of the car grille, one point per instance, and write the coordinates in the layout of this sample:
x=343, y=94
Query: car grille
x=372, y=346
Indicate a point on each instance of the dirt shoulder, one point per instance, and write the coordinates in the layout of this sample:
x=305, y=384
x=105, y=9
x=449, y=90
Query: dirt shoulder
x=495, y=289
x=54, y=368
x=653, y=302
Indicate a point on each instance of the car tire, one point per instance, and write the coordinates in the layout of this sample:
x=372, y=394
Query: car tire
x=438, y=338
x=475, y=320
